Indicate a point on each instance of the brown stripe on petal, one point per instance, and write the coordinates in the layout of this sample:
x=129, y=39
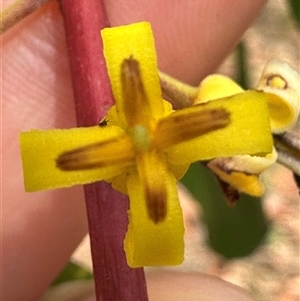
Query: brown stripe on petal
x=189, y=123
x=152, y=173
x=135, y=101
x=156, y=200
x=98, y=155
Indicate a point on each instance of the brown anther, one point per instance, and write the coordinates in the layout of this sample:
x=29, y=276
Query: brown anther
x=276, y=81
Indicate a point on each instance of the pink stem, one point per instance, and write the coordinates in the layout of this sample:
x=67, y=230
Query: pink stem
x=106, y=208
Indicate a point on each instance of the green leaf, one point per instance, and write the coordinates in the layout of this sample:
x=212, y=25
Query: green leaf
x=71, y=272
x=295, y=10
x=233, y=231
x=297, y=180
x=242, y=65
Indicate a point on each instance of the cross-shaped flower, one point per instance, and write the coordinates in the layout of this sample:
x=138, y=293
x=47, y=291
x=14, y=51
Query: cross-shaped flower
x=142, y=146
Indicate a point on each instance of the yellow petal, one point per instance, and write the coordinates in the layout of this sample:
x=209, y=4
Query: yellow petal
x=133, y=41
x=40, y=149
x=283, y=84
x=119, y=182
x=245, y=183
x=217, y=86
x=178, y=170
x=148, y=243
x=248, y=132
x=242, y=172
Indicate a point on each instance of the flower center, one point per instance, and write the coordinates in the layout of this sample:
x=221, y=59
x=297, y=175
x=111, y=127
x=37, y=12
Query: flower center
x=141, y=137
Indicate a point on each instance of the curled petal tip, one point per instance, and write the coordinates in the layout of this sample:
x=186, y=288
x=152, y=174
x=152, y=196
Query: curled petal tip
x=282, y=83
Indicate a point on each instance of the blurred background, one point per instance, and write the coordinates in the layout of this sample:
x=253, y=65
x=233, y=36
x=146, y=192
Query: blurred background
x=255, y=244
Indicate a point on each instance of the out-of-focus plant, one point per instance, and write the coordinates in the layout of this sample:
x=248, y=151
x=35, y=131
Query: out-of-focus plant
x=295, y=10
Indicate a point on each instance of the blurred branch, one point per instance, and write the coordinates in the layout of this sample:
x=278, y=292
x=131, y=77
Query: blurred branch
x=180, y=94
x=17, y=12
x=288, y=148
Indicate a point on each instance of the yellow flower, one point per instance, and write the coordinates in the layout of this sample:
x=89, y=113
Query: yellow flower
x=282, y=87
x=143, y=146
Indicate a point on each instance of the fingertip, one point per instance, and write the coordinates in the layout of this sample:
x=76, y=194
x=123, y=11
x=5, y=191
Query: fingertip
x=192, y=37
x=178, y=286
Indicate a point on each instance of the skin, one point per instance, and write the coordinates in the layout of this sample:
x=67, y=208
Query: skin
x=41, y=230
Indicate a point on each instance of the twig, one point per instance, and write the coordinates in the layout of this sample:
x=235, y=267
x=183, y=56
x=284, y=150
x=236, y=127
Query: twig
x=292, y=140
x=106, y=208
x=290, y=162
x=181, y=95
x=18, y=11
x=288, y=148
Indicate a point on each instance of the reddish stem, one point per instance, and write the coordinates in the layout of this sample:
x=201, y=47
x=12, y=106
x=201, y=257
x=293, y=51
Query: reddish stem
x=106, y=208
